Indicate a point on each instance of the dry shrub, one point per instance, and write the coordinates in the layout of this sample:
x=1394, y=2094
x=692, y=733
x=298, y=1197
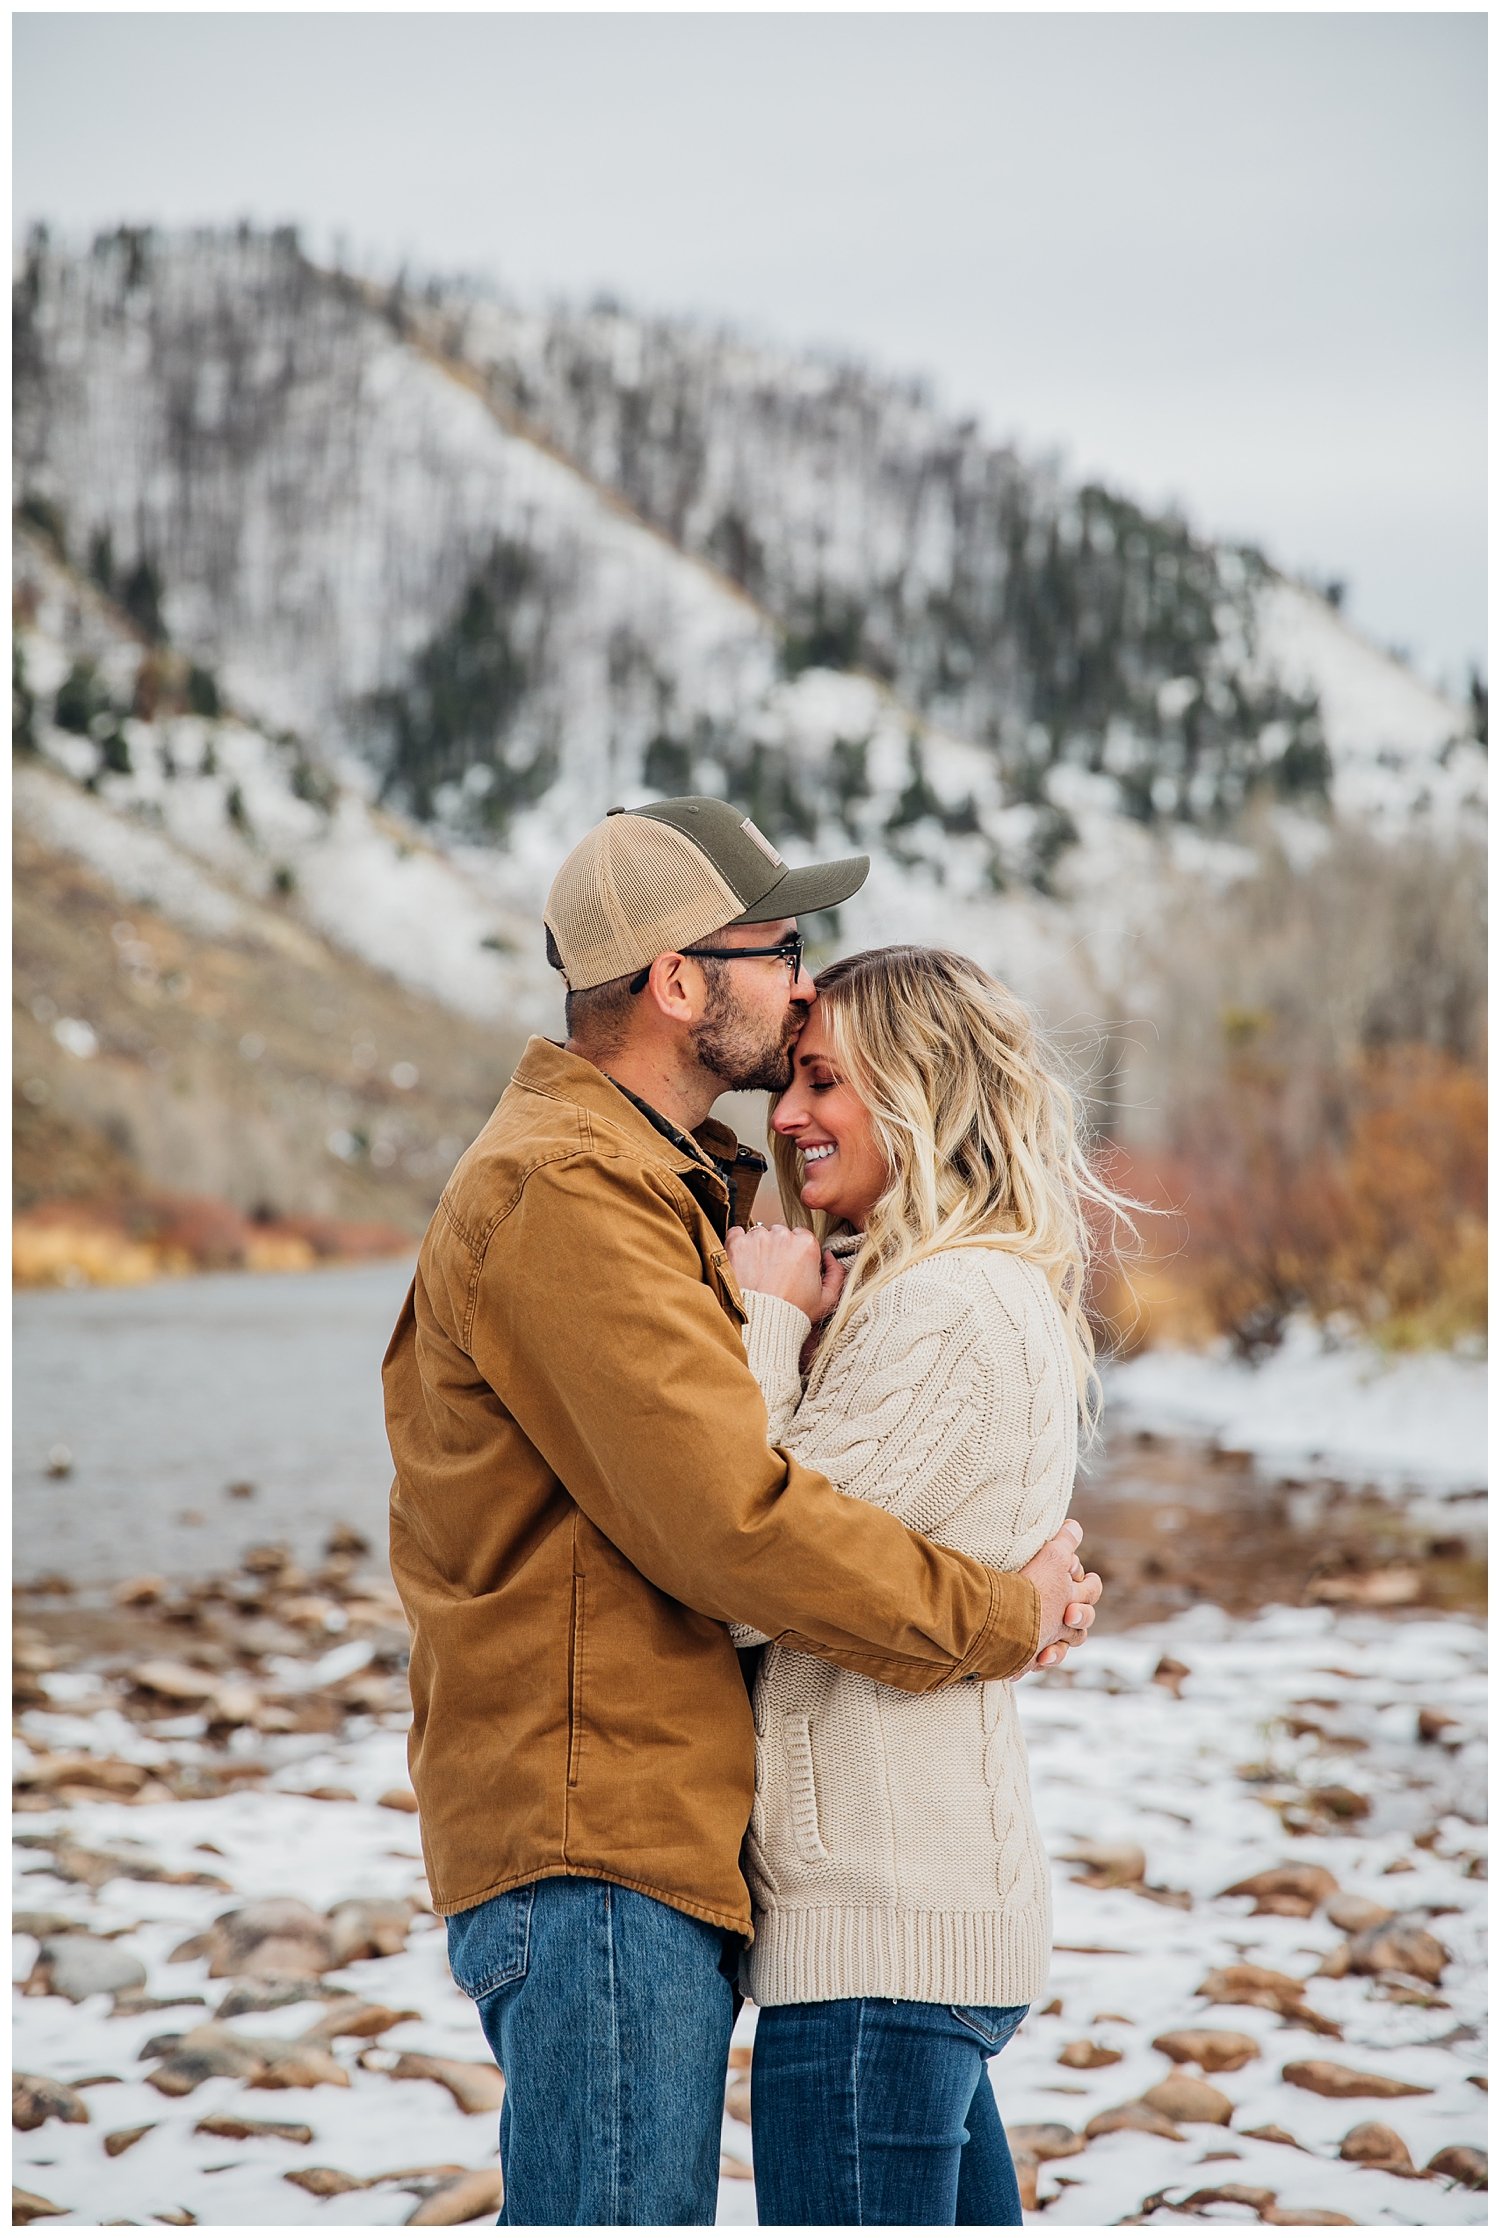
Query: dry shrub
x=1297, y=1082
x=108, y=1242
x=1373, y=1219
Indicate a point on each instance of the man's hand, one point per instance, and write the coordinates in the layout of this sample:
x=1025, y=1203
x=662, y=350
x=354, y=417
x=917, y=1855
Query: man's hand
x=1068, y=1595
x=786, y=1263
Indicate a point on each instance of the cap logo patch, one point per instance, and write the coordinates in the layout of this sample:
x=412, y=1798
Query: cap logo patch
x=762, y=843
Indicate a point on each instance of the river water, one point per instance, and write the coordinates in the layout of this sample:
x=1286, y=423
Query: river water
x=166, y=1396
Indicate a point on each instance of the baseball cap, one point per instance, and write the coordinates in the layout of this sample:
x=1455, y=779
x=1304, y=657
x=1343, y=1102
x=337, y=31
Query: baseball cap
x=650, y=880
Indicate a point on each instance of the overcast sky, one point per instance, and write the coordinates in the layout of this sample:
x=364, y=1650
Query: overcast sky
x=1238, y=261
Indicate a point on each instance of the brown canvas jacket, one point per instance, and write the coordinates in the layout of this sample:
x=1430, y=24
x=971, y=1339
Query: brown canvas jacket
x=585, y=1496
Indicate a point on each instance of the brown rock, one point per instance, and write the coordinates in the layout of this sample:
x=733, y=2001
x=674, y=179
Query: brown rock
x=35, y=2099
x=73, y=1768
x=1218, y=2051
x=139, y=1592
x=238, y=2126
x=1254, y=2196
x=277, y=1939
x=1084, y=2053
x=1353, y=1914
x=1330, y=2080
x=1269, y=2134
x=1184, y=2097
x=1432, y=1724
x=1307, y=2218
x=737, y=2101
x=1464, y=2164
x=183, y=2070
x=737, y=2171
x=302, y=2068
x=29, y=2206
x=267, y=1560
x=479, y=2193
x=398, y=1799
x=326, y=2183
x=174, y=1682
x=740, y=2056
x=1309, y=1884
x=1340, y=1802
x=1170, y=1674
x=1393, y=1588
x=92, y=1868
x=344, y=1539
x=366, y=1927
x=474, y=2086
x=1107, y=1864
x=1398, y=1948
x=1263, y=1986
x=1135, y=2115
x=1026, y=2182
x=351, y=2016
x=232, y=1706
x=1372, y=2145
x=120, y=2140
x=44, y=1924
x=1044, y=2140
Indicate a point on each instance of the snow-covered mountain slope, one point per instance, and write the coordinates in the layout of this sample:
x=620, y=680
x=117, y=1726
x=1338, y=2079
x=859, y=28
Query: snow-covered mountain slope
x=227, y=828
x=526, y=564
x=297, y=555
x=1400, y=751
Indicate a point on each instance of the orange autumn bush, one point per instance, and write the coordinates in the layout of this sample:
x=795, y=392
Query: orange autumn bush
x=1358, y=1197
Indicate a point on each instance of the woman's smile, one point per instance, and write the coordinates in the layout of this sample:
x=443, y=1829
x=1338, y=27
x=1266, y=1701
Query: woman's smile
x=831, y=1128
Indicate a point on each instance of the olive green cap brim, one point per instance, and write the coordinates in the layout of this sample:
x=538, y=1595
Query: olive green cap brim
x=800, y=892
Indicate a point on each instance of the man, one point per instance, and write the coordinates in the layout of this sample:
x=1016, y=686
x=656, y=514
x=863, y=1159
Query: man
x=584, y=1498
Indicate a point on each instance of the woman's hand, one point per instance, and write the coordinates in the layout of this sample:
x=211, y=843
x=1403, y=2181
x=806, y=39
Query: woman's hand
x=786, y=1263
x=1069, y=1596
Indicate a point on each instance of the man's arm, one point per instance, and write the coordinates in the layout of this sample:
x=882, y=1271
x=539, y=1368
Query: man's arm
x=593, y=1325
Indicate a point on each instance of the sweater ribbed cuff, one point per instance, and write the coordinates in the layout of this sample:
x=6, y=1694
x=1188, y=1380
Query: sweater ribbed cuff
x=933, y=1957
x=775, y=1332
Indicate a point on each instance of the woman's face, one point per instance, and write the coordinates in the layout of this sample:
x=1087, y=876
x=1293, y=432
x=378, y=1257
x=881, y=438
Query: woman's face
x=843, y=1170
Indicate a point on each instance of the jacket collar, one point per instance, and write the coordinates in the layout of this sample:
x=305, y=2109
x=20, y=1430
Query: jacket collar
x=548, y=1069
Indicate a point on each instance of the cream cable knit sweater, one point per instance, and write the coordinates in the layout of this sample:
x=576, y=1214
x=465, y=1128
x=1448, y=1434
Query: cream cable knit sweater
x=892, y=1850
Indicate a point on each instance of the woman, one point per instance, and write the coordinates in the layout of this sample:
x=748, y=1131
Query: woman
x=902, y=1908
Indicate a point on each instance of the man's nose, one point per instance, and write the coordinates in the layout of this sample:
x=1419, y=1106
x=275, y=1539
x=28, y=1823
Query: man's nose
x=803, y=987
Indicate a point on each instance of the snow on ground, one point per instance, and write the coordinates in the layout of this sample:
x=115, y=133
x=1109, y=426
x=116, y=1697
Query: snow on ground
x=1340, y=1408
x=1218, y=1781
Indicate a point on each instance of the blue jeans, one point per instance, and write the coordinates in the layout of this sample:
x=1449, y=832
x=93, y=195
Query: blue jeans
x=609, y=2015
x=879, y=2110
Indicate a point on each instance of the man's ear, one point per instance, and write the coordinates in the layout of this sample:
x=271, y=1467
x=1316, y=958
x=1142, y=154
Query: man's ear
x=674, y=990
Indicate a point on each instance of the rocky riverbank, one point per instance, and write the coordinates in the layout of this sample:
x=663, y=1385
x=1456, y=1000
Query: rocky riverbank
x=233, y=2004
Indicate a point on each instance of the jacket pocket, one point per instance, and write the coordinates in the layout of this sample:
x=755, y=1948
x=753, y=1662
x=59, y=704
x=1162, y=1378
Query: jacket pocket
x=802, y=1791
x=575, y=1682
x=490, y=1944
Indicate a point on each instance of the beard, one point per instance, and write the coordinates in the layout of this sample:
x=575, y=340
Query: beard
x=741, y=1051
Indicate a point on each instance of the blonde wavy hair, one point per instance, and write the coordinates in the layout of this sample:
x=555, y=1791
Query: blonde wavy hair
x=980, y=1134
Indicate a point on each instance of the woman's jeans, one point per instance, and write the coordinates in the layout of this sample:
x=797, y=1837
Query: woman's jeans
x=879, y=2110
x=609, y=2015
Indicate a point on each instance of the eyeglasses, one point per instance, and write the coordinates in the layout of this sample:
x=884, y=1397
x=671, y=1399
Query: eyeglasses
x=789, y=950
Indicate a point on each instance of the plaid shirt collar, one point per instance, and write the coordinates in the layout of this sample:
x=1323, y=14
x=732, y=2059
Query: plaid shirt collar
x=676, y=1136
